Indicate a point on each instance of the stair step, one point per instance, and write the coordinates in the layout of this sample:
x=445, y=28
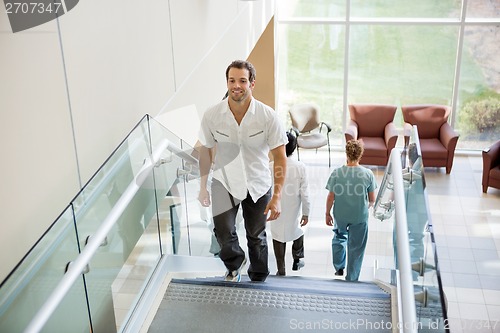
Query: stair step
x=297, y=283
x=280, y=304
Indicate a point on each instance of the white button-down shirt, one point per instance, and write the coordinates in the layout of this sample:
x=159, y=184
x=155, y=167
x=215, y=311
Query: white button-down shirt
x=242, y=151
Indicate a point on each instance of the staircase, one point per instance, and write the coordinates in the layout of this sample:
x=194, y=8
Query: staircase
x=281, y=304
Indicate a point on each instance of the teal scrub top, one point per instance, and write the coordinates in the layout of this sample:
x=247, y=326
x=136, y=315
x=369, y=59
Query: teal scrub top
x=351, y=186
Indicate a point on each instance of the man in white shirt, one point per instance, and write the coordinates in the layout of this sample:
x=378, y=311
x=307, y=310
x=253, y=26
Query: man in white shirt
x=238, y=133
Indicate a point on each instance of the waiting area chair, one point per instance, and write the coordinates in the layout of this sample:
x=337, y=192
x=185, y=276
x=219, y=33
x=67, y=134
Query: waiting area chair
x=310, y=131
x=491, y=166
x=437, y=138
x=373, y=124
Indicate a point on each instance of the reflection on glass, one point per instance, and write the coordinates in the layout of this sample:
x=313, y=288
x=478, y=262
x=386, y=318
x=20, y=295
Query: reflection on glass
x=384, y=205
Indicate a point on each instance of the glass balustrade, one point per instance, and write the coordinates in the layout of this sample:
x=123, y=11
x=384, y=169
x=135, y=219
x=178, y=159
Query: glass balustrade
x=140, y=194
x=430, y=300
x=429, y=294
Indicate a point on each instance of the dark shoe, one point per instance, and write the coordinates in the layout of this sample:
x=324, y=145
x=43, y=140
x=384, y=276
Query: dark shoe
x=258, y=279
x=297, y=264
x=340, y=272
x=278, y=273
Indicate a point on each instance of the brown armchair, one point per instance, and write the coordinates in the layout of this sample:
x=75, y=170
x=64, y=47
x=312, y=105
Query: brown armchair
x=373, y=123
x=437, y=138
x=491, y=166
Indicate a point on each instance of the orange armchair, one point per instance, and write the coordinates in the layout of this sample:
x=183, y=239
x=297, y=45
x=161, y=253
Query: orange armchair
x=437, y=138
x=491, y=166
x=373, y=124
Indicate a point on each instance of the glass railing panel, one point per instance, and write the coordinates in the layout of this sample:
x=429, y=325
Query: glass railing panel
x=384, y=212
x=169, y=182
x=25, y=291
x=429, y=295
x=125, y=260
x=194, y=220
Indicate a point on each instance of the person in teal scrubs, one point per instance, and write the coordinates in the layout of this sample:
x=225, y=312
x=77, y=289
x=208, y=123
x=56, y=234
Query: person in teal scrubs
x=351, y=192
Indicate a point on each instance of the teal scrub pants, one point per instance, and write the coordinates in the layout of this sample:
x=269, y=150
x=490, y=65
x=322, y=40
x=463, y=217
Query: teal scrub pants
x=354, y=237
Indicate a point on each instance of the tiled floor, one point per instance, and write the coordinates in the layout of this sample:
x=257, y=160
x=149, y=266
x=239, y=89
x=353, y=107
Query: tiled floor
x=466, y=226
x=467, y=229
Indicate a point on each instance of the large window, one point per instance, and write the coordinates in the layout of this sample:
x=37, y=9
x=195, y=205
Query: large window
x=337, y=52
x=478, y=120
x=311, y=59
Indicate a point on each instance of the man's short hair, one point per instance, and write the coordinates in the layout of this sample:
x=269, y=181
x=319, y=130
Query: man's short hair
x=242, y=64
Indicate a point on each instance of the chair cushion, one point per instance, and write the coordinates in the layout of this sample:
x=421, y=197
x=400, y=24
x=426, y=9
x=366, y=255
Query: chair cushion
x=305, y=117
x=428, y=118
x=374, y=147
x=312, y=140
x=372, y=118
x=432, y=149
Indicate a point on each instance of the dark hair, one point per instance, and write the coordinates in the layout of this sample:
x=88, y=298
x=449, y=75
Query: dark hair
x=292, y=143
x=242, y=64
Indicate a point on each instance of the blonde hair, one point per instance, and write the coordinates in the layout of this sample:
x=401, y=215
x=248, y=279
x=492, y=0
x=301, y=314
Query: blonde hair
x=354, y=150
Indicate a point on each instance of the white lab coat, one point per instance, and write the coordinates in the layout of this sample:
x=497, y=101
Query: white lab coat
x=294, y=196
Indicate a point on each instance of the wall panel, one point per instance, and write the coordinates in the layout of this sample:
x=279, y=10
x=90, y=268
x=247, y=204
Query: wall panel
x=38, y=169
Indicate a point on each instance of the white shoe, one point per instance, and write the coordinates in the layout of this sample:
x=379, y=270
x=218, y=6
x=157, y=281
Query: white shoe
x=235, y=276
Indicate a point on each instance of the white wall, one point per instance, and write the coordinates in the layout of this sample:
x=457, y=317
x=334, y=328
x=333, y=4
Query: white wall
x=70, y=94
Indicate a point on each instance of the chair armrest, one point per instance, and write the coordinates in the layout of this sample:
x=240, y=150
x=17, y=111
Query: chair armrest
x=328, y=127
x=390, y=135
x=407, y=129
x=447, y=135
x=295, y=130
x=351, y=131
x=491, y=156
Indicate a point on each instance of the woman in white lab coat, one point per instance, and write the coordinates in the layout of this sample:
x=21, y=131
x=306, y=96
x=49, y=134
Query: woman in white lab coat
x=295, y=207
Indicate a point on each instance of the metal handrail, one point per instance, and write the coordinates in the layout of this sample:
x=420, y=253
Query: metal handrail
x=409, y=321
